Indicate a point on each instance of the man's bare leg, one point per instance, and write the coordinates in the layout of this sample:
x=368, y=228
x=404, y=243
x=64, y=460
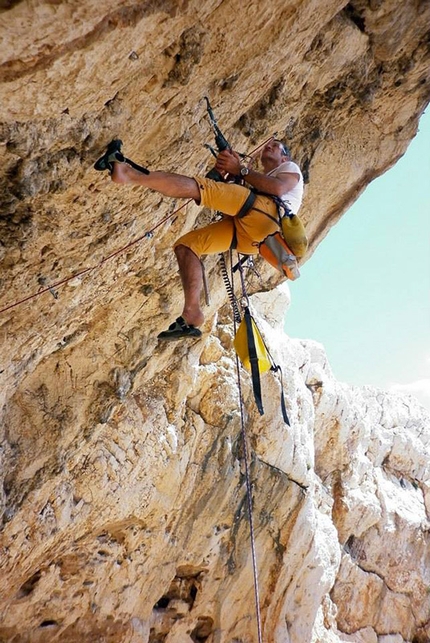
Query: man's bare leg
x=167, y=183
x=190, y=269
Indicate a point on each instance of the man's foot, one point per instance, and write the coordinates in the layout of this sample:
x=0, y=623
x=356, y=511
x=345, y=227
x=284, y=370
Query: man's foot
x=112, y=155
x=180, y=329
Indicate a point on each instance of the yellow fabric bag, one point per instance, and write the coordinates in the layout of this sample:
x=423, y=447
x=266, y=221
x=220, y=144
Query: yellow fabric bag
x=255, y=357
x=241, y=347
x=294, y=234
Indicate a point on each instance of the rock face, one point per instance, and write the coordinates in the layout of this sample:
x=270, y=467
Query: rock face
x=123, y=494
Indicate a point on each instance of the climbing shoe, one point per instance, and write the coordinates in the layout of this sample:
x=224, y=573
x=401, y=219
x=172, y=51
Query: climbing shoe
x=113, y=154
x=180, y=329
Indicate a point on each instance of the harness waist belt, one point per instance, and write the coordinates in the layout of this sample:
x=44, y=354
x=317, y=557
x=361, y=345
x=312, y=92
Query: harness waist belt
x=250, y=200
x=247, y=206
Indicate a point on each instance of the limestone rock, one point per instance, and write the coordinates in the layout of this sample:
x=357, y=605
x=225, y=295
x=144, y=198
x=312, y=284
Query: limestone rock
x=123, y=497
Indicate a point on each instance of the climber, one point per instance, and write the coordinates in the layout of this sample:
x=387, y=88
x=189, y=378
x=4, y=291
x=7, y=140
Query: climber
x=281, y=178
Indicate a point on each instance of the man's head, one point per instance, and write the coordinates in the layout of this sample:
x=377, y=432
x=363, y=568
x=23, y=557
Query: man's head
x=284, y=148
x=274, y=153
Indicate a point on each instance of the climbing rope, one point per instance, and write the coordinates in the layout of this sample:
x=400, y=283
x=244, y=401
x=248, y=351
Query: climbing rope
x=229, y=289
x=229, y=282
x=249, y=502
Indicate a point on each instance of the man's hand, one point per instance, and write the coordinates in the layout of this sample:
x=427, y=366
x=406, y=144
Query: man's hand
x=228, y=162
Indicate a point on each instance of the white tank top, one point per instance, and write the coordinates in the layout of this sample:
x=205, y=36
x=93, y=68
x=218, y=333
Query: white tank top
x=293, y=198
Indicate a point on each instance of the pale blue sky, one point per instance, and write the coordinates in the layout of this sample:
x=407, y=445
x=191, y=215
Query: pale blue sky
x=365, y=292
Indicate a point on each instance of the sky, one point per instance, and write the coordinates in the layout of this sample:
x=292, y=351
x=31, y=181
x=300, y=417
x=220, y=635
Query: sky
x=365, y=292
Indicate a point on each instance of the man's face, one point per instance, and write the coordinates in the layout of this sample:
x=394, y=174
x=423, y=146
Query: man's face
x=273, y=151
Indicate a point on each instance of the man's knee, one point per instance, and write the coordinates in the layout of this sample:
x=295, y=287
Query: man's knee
x=183, y=252
x=180, y=250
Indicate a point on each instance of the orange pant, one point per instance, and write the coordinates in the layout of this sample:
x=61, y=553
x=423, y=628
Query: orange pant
x=228, y=198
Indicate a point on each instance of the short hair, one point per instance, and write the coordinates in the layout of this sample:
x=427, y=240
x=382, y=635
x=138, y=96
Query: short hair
x=285, y=149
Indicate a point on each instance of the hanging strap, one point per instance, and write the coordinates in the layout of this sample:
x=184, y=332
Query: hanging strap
x=253, y=360
x=240, y=263
x=137, y=167
x=275, y=368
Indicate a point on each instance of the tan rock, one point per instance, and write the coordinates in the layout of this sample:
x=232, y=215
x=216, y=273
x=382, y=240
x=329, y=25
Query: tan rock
x=123, y=493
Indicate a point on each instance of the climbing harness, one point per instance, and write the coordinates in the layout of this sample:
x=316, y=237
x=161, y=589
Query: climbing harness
x=281, y=249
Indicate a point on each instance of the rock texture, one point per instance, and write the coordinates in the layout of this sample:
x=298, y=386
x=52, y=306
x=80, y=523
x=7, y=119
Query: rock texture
x=123, y=494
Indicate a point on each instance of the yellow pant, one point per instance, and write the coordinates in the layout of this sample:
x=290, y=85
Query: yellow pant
x=228, y=198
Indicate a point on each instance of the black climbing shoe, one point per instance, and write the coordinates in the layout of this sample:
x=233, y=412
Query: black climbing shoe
x=180, y=329
x=112, y=154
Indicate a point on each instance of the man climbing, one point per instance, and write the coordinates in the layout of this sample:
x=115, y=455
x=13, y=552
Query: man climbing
x=248, y=218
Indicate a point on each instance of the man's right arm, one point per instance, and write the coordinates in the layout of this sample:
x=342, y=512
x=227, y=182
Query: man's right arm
x=229, y=162
x=276, y=185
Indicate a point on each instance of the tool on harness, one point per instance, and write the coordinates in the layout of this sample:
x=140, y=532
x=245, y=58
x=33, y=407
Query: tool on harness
x=292, y=228
x=258, y=351
x=294, y=233
x=205, y=284
x=275, y=250
x=248, y=262
x=220, y=142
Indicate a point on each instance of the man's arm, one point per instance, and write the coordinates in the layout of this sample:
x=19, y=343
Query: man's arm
x=228, y=161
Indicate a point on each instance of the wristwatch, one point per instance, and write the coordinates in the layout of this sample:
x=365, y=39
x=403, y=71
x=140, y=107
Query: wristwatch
x=244, y=171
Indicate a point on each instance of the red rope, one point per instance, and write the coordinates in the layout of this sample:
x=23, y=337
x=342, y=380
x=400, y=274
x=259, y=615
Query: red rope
x=97, y=265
